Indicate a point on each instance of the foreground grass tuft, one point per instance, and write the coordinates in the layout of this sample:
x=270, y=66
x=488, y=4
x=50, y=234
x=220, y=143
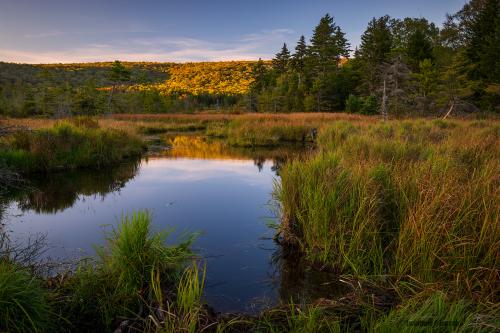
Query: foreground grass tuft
x=120, y=283
x=24, y=303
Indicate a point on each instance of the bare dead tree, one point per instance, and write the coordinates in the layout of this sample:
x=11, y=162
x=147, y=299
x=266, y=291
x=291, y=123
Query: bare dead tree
x=395, y=85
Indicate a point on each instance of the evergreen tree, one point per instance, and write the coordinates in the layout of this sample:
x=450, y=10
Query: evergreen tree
x=483, y=49
x=298, y=59
x=117, y=75
x=328, y=45
x=281, y=60
x=374, y=51
x=418, y=49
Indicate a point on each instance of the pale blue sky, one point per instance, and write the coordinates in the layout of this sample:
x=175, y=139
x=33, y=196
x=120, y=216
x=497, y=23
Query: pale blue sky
x=47, y=31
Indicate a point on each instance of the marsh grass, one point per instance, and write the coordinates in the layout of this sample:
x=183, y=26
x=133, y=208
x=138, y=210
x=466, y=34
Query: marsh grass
x=404, y=199
x=160, y=128
x=67, y=145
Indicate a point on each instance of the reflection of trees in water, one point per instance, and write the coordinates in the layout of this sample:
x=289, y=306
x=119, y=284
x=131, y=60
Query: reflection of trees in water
x=58, y=191
x=203, y=148
x=300, y=282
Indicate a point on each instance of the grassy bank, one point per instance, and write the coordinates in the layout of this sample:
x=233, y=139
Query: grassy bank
x=67, y=145
x=416, y=202
x=249, y=129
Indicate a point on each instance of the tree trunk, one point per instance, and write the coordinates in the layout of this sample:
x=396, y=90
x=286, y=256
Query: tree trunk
x=384, y=103
x=110, y=98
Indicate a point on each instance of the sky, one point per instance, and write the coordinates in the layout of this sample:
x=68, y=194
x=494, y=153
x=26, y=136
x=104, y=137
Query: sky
x=62, y=31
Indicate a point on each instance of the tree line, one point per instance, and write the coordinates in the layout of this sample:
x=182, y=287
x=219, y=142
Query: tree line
x=402, y=66
x=406, y=66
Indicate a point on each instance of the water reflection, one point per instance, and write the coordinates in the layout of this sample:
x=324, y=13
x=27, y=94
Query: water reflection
x=204, y=148
x=197, y=185
x=300, y=283
x=60, y=191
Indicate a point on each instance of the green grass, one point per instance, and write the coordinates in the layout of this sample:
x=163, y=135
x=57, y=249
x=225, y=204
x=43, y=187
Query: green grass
x=120, y=282
x=68, y=145
x=24, y=303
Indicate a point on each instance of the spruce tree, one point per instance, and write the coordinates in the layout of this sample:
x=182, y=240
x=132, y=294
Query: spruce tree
x=281, y=60
x=418, y=49
x=483, y=49
x=328, y=45
x=374, y=51
x=298, y=59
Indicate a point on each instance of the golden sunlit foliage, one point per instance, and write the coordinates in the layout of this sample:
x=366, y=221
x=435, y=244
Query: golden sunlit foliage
x=210, y=78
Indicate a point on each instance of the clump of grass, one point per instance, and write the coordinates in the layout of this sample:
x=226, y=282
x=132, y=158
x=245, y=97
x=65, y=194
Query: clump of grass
x=119, y=283
x=186, y=313
x=67, y=146
x=24, y=303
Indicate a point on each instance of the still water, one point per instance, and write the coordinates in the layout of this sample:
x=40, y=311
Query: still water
x=197, y=186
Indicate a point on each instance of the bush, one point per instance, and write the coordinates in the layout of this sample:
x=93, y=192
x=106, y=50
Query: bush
x=353, y=104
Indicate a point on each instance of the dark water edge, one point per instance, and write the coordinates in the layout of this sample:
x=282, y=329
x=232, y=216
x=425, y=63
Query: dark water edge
x=197, y=185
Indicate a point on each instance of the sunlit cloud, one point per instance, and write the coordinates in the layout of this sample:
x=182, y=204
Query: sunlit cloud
x=247, y=47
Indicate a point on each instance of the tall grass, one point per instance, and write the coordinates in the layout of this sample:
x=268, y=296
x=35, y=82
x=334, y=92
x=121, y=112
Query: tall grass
x=67, y=145
x=186, y=313
x=411, y=198
x=120, y=283
x=24, y=303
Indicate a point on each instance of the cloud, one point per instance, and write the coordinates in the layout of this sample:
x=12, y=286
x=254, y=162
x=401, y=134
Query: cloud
x=47, y=34
x=247, y=47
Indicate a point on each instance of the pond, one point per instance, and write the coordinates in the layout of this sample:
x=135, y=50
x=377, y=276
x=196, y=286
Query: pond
x=224, y=194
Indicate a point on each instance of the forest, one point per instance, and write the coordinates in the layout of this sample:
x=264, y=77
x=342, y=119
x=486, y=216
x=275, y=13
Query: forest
x=402, y=67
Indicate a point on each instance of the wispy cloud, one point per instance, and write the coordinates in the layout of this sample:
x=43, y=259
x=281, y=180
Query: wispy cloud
x=46, y=34
x=247, y=47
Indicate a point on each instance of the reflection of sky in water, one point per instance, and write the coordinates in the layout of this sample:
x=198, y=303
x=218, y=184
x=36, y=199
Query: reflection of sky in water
x=226, y=200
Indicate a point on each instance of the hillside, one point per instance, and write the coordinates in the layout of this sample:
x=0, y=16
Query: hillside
x=212, y=78
x=217, y=78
